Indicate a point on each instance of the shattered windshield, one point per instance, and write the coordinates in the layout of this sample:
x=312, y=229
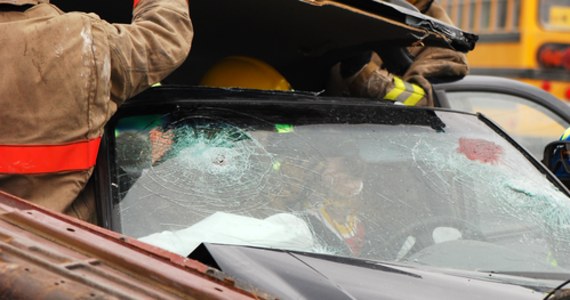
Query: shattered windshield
x=375, y=182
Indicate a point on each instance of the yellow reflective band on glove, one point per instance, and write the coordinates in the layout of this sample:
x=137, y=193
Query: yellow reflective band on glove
x=406, y=93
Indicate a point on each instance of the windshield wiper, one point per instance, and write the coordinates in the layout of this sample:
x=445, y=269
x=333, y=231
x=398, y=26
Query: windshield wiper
x=534, y=275
x=559, y=293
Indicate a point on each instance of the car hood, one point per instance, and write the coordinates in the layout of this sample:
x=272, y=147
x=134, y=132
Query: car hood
x=296, y=275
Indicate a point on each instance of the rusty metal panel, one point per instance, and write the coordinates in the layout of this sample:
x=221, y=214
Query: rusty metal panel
x=45, y=255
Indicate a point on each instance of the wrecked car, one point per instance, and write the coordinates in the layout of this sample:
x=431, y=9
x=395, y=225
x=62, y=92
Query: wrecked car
x=301, y=196
x=300, y=187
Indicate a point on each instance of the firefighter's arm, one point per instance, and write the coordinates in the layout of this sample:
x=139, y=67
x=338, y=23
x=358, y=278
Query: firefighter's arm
x=144, y=52
x=365, y=76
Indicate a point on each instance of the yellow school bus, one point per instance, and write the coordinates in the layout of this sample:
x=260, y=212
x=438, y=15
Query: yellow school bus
x=523, y=39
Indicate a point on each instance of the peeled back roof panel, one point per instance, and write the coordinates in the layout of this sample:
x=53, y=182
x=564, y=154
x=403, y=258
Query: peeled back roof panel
x=292, y=29
x=301, y=38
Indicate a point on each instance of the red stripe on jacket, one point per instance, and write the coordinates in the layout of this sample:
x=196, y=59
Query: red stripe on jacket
x=38, y=159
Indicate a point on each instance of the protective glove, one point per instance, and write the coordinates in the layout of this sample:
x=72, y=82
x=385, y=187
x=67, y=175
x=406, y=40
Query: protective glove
x=433, y=65
x=365, y=76
x=405, y=79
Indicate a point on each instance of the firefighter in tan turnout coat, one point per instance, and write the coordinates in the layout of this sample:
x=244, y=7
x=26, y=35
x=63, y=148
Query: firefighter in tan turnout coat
x=63, y=77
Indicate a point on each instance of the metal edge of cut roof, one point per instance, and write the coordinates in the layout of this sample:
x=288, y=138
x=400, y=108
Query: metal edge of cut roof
x=436, y=32
x=44, y=254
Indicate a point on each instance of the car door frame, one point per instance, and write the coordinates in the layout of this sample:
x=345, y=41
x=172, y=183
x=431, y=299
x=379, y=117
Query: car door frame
x=480, y=83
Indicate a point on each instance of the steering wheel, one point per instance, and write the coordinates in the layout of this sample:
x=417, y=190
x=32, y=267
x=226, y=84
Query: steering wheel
x=422, y=232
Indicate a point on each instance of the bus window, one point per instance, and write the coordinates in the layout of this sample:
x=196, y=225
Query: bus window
x=472, y=15
x=516, y=14
x=460, y=10
x=555, y=13
x=501, y=15
x=485, y=18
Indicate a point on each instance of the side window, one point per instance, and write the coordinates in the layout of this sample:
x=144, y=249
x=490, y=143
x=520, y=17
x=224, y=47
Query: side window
x=501, y=15
x=516, y=15
x=485, y=19
x=472, y=15
x=531, y=124
x=460, y=11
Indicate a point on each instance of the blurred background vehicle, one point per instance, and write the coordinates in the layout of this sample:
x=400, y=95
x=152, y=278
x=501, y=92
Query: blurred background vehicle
x=528, y=40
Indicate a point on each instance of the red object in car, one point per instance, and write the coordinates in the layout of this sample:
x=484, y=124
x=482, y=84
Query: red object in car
x=481, y=150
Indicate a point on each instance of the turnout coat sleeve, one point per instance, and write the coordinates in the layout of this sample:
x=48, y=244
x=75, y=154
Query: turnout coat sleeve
x=153, y=45
x=64, y=76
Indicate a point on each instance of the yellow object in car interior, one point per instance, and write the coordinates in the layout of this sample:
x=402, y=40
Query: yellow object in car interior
x=245, y=72
x=406, y=93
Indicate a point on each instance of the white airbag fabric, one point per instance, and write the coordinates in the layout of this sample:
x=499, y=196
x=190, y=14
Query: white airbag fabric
x=281, y=231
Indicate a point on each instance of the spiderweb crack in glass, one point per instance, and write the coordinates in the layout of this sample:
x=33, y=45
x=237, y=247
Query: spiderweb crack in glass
x=207, y=162
x=516, y=198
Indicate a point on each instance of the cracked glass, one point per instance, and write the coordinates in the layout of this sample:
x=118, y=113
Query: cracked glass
x=412, y=186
